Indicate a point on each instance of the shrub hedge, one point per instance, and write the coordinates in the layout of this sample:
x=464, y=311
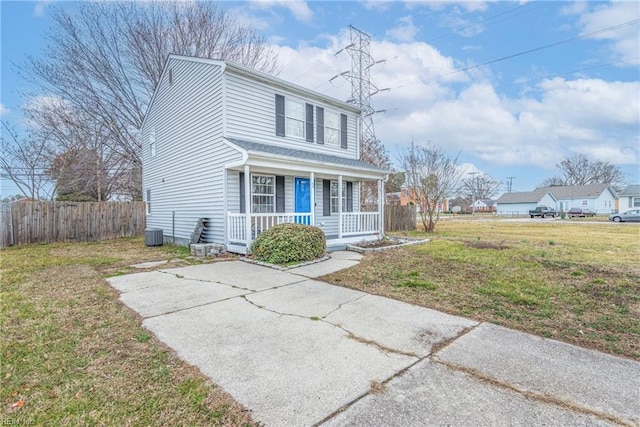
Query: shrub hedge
x=287, y=243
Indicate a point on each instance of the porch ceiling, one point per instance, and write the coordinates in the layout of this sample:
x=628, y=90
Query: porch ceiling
x=271, y=157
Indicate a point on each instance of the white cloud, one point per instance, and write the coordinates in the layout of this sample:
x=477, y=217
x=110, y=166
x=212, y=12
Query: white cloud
x=40, y=7
x=468, y=5
x=623, y=42
x=4, y=110
x=299, y=8
x=377, y=5
x=463, y=112
x=405, y=31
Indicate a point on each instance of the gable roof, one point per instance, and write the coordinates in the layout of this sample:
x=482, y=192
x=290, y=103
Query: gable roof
x=630, y=190
x=578, y=191
x=524, y=196
x=310, y=156
x=238, y=69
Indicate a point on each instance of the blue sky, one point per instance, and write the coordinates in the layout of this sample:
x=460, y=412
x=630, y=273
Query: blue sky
x=516, y=117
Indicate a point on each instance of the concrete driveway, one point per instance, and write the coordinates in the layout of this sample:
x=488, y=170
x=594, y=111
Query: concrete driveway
x=297, y=351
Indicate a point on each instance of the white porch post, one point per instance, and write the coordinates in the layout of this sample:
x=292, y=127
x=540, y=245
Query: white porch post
x=247, y=205
x=381, y=206
x=339, y=206
x=312, y=196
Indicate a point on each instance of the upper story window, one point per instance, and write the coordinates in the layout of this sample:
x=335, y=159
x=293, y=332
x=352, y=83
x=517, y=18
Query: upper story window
x=297, y=119
x=294, y=118
x=332, y=127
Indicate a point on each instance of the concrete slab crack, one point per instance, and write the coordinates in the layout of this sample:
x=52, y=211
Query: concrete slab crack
x=541, y=397
x=343, y=304
x=368, y=392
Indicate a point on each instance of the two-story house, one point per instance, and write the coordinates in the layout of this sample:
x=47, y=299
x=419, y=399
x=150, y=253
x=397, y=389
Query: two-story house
x=244, y=151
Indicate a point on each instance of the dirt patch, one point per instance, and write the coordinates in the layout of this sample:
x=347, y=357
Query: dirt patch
x=481, y=244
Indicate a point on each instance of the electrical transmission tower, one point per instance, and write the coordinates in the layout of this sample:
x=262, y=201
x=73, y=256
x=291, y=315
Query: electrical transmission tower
x=362, y=88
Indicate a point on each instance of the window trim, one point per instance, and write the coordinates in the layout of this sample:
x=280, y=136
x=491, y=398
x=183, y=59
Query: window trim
x=328, y=130
x=272, y=196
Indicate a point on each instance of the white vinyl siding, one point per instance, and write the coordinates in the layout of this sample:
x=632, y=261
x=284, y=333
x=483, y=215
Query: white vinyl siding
x=251, y=115
x=187, y=174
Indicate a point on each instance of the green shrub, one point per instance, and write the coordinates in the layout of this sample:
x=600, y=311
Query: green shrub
x=288, y=243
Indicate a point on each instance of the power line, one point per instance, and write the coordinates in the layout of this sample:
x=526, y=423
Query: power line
x=547, y=46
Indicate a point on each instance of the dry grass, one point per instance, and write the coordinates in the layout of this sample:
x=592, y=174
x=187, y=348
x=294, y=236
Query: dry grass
x=72, y=354
x=578, y=283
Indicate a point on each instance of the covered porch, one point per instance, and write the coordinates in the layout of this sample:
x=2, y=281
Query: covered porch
x=266, y=190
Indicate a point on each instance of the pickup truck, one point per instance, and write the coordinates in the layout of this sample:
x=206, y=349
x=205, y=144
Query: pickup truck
x=542, y=211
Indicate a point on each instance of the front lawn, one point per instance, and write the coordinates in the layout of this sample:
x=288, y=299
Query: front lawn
x=578, y=283
x=73, y=354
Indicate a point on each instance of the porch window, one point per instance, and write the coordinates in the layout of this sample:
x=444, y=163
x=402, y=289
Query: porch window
x=347, y=196
x=263, y=193
x=295, y=118
x=332, y=128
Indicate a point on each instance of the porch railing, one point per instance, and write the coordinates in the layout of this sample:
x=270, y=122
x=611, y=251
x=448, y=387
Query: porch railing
x=359, y=223
x=260, y=222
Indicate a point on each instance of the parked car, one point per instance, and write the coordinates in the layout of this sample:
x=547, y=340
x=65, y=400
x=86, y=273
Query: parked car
x=628, y=216
x=542, y=211
x=580, y=212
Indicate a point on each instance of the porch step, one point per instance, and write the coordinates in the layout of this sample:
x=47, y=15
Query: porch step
x=202, y=231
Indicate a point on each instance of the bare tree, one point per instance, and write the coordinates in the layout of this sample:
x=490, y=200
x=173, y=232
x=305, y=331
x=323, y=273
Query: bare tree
x=480, y=187
x=105, y=61
x=579, y=170
x=375, y=153
x=431, y=177
x=25, y=160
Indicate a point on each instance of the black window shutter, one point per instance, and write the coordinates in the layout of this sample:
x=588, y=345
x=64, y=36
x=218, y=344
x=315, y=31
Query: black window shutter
x=320, y=125
x=279, y=115
x=343, y=131
x=349, y=196
x=326, y=197
x=309, y=108
x=242, y=192
x=279, y=193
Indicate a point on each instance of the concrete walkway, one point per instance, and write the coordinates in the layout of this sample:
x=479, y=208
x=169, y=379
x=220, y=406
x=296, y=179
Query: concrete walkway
x=297, y=351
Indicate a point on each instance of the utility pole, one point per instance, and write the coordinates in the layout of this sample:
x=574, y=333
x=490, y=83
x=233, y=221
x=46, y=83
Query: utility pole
x=510, y=178
x=473, y=192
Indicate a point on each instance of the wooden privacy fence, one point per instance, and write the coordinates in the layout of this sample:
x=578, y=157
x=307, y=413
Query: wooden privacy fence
x=48, y=222
x=396, y=218
x=399, y=218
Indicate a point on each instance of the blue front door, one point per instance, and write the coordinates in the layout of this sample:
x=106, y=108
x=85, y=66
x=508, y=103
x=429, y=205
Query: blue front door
x=302, y=197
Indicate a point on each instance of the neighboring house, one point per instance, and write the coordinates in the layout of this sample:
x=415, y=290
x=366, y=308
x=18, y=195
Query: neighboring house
x=408, y=197
x=484, y=205
x=597, y=197
x=628, y=198
x=521, y=203
x=600, y=198
x=243, y=151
